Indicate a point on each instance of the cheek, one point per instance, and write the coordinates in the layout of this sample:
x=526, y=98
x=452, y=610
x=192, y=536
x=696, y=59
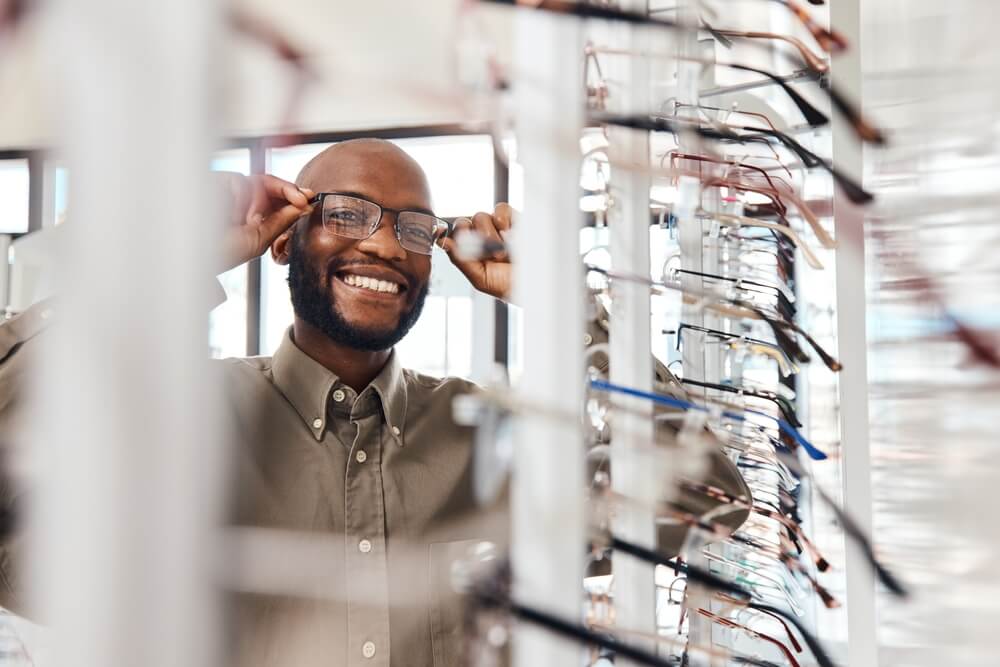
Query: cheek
x=321, y=247
x=419, y=267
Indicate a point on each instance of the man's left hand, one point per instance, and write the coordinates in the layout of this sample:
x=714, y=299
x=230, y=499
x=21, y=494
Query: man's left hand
x=491, y=273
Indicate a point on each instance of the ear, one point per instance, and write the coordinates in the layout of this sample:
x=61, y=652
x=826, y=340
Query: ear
x=282, y=246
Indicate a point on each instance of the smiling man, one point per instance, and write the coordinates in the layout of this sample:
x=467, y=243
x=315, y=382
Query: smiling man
x=334, y=436
x=337, y=449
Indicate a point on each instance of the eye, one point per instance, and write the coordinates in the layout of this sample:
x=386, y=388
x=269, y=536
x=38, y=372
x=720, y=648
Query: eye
x=344, y=216
x=418, y=233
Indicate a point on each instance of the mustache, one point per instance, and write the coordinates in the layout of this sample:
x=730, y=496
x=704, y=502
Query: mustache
x=339, y=264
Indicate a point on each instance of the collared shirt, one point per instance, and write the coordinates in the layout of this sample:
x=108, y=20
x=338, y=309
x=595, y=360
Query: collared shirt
x=387, y=470
x=382, y=478
x=386, y=473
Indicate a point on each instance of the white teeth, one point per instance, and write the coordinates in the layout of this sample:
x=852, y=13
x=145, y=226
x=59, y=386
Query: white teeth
x=371, y=283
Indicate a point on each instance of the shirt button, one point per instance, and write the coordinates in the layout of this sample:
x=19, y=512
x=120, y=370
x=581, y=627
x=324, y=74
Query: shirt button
x=368, y=649
x=361, y=457
x=364, y=546
x=395, y=430
x=339, y=395
x=317, y=422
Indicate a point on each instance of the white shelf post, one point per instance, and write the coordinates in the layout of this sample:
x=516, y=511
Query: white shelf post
x=548, y=482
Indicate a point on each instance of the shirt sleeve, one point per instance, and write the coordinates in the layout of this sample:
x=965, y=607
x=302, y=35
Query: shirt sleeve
x=19, y=338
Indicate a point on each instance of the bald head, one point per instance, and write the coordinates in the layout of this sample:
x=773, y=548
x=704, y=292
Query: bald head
x=374, y=168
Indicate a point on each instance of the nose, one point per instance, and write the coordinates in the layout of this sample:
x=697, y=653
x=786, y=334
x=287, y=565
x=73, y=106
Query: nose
x=383, y=243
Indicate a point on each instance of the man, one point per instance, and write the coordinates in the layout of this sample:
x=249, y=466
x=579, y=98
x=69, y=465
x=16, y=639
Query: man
x=339, y=438
x=333, y=439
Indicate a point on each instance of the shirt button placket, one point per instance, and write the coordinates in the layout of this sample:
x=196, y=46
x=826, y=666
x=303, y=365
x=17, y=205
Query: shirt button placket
x=366, y=573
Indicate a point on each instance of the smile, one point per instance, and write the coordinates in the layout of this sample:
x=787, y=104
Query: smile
x=371, y=284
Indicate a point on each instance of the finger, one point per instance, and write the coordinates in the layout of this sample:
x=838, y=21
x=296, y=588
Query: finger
x=269, y=193
x=277, y=222
x=448, y=243
x=486, y=227
x=471, y=269
x=503, y=217
x=239, y=190
x=277, y=188
x=460, y=225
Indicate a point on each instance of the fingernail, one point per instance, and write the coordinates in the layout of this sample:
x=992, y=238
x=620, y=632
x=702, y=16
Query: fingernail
x=257, y=218
x=307, y=192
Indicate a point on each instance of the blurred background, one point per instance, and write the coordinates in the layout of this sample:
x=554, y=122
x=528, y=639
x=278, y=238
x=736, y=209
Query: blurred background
x=909, y=300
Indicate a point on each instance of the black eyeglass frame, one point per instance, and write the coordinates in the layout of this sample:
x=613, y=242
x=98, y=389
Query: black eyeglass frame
x=448, y=227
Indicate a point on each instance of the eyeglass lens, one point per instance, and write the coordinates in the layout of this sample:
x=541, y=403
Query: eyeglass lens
x=356, y=218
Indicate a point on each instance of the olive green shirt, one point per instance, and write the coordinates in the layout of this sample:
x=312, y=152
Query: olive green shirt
x=389, y=471
x=385, y=473
x=384, y=476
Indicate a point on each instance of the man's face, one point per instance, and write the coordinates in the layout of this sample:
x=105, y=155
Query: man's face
x=327, y=272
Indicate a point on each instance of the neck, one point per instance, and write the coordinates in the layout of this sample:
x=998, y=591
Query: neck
x=355, y=368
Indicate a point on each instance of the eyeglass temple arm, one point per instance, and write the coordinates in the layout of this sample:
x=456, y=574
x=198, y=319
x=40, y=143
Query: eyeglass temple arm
x=850, y=527
x=793, y=236
x=851, y=188
x=789, y=656
x=712, y=580
x=827, y=39
x=815, y=62
x=783, y=406
x=723, y=132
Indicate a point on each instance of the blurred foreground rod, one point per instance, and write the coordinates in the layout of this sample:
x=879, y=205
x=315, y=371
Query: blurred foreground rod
x=125, y=421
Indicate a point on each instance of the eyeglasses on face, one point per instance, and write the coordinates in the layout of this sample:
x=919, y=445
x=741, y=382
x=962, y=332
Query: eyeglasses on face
x=354, y=217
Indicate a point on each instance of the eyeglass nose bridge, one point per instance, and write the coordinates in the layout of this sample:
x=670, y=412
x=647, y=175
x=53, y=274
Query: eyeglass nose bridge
x=380, y=222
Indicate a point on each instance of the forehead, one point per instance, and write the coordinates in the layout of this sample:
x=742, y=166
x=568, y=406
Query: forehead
x=378, y=171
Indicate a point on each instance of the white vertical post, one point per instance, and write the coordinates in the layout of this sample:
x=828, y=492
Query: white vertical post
x=632, y=473
x=130, y=498
x=548, y=482
x=483, y=336
x=697, y=361
x=862, y=621
x=4, y=272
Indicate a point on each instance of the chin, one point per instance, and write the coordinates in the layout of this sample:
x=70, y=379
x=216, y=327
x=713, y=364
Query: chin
x=378, y=329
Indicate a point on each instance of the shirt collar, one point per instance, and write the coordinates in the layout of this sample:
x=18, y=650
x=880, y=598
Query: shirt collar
x=307, y=385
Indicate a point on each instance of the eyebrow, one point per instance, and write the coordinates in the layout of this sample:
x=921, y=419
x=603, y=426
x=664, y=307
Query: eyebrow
x=349, y=193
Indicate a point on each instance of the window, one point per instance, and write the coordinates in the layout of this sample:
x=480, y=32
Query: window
x=460, y=171
x=56, y=189
x=14, y=196
x=227, y=325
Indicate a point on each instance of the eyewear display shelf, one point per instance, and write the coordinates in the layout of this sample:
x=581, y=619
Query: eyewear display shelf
x=549, y=520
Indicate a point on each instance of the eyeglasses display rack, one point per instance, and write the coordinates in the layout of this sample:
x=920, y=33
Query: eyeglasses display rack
x=716, y=210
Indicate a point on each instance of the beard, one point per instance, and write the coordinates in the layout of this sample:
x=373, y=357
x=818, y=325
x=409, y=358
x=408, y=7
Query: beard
x=313, y=302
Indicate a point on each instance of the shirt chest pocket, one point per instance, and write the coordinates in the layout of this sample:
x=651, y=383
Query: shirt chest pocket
x=446, y=606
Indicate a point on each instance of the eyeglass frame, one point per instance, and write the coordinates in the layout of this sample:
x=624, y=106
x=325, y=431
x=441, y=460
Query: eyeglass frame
x=318, y=200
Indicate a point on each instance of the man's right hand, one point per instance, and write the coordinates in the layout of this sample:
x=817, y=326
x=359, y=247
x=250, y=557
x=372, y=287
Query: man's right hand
x=259, y=209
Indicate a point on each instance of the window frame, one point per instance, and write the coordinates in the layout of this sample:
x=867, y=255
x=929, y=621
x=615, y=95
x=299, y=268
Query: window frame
x=36, y=184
